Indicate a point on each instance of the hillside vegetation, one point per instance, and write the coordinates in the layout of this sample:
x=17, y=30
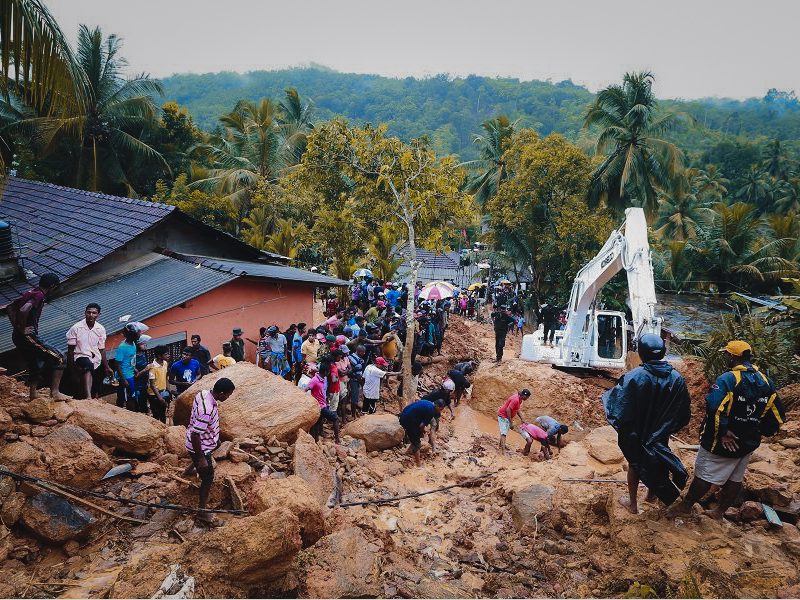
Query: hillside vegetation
x=450, y=110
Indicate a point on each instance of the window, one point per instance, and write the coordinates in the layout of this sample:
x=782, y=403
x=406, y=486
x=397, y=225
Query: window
x=609, y=336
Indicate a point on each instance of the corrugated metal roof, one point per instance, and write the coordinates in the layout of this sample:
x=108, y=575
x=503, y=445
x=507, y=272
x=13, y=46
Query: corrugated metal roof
x=144, y=293
x=63, y=230
x=251, y=269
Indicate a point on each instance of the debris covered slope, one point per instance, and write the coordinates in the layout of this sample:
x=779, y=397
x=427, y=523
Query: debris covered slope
x=513, y=526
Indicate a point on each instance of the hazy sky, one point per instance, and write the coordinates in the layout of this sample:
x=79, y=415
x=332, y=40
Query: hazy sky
x=696, y=48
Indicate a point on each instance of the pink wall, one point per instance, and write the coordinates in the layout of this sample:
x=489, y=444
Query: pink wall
x=245, y=303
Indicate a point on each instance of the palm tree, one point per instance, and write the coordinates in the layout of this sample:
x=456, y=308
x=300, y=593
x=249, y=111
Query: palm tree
x=711, y=184
x=491, y=167
x=102, y=138
x=678, y=268
x=735, y=248
x=40, y=74
x=287, y=238
x=757, y=188
x=788, y=197
x=638, y=160
x=259, y=225
x=681, y=213
x=296, y=122
x=246, y=154
x=775, y=160
x=787, y=229
x=37, y=63
x=381, y=248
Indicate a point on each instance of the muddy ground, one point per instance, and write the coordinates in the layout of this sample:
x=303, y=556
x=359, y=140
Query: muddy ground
x=526, y=529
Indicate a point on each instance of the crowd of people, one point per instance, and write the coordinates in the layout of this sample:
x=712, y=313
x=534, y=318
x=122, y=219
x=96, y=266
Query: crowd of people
x=342, y=361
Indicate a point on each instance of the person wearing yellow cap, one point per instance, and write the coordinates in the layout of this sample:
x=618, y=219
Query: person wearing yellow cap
x=741, y=407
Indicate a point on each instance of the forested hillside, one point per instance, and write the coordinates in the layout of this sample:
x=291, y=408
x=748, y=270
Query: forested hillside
x=451, y=110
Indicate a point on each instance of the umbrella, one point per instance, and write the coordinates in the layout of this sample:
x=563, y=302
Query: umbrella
x=437, y=290
x=362, y=273
x=505, y=282
x=476, y=286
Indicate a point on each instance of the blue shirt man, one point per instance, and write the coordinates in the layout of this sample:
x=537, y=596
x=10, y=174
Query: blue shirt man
x=393, y=297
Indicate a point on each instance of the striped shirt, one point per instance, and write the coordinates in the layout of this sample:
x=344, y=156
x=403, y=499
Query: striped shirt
x=205, y=421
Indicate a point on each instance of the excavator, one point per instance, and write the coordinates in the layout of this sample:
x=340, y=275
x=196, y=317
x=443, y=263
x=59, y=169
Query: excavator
x=595, y=338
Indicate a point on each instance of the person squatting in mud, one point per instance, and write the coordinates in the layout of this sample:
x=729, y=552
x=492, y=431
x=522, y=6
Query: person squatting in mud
x=414, y=419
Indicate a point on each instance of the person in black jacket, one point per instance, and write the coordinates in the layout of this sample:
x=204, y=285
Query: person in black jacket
x=502, y=320
x=649, y=404
x=549, y=314
x=741, y=407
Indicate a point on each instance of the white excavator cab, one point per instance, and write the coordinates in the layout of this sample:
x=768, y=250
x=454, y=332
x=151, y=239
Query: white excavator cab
x=605, y=344
x=594, y=337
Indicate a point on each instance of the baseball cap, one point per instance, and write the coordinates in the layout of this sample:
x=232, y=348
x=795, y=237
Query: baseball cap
x=381, y=362
x=736, y=348
x=345, y=350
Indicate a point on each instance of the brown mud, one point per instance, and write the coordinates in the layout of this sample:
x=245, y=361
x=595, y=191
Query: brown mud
x=525, y=530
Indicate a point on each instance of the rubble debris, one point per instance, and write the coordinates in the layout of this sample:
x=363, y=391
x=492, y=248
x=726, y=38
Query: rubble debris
x=176, y=586
x=294, y=494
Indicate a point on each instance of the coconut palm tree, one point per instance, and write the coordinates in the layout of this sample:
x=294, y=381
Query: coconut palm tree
x=40, y=74
x=101, y=139
x=677, y=269
x=788, y=197
x=710, y=183
x=37, y=63
x=681, y=213
x=490, y=167
x=735, y=248
x=248, y=153
x=776, y=162
x=296, y=122
x=381, y=249
x=757, y=187
x=637, y=160
x=259, y=225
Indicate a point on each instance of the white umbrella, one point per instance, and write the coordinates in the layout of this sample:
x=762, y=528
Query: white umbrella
x=362, y=273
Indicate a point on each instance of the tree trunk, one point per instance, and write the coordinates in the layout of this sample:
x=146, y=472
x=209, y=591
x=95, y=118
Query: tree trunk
x=408, y=392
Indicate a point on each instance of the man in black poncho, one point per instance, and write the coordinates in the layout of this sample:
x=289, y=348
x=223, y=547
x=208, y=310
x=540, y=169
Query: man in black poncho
x=647, y=405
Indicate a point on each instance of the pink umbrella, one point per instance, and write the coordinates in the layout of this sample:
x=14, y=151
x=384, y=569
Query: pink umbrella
x=437, y=290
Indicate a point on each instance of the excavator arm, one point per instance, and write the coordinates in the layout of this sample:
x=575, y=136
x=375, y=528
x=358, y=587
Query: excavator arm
x=627, y=248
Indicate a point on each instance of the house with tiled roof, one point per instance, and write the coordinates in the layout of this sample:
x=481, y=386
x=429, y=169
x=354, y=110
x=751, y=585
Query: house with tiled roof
x=141, y=261
x=444, y=266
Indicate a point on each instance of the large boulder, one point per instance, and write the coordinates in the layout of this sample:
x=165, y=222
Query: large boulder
x=5, y=421
x=71, y=457
x=257, y=550
x=379, y=431
x=343, y=565
x=533, y=501
x=54, y=519
x=293, y=493
x=309, y=463
x=262, y=405
x=131, y=432
x=39, y=409
x=19, y=456
x=175, y=440
x=602, y=444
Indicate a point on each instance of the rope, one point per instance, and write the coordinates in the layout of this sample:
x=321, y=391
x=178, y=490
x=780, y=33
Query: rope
x=115, y=498
x=466, y=483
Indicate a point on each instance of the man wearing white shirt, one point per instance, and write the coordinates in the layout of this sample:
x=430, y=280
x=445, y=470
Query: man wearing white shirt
x=86, y=351
x=372, y=383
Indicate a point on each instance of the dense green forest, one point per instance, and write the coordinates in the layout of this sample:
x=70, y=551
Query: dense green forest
x=450, y=110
